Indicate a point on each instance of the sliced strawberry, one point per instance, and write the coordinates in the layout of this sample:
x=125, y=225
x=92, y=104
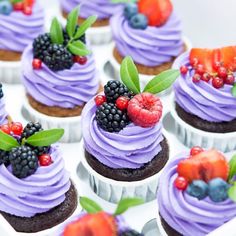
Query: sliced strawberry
x=216, y=59
x=228, y=57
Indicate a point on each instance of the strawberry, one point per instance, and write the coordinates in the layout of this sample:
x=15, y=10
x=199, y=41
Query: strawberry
x=157, y=11
x=228, y=57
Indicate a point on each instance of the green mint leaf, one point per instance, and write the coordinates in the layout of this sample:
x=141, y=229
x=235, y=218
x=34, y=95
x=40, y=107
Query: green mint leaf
x=45, y=137
x=232, y=192
x=15, y=1
x=126, y=203
x=72, y=21
x=234, y=90
x=56, y=32
x=89, y=205
x=232, y=168
x=78, y=48
x=84, y=26
x=129, y=75
x=7, y=142
x=162, y=81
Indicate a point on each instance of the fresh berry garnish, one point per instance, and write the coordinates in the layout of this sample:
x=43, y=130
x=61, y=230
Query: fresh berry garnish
x=145, y=109
x=18, y=6
x=4, y=158
x=229, y=79
x=196, y=78
x=100, y=99
x=206, y=77
x=5, y=129
x=181, y=183
x=138, y=21
x=198, y=189
x=217, y=65
x=183, y=70
x=41, y=45
x=81, y=60
x=5, y=7
x=193, y=62
x=200, y=69
x=196, y=150
x=37, y=64
x=122, y=103
x=217, y=82
x=45, y=160
x=17, y=128
x=222, y=72
x=130, y=10
x=1, y=92
x=218, y=190
x=27, y=10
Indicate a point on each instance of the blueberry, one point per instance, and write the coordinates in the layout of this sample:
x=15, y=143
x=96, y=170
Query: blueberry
x=130, y=10
x=198, y=189
x=138, y=21
x=218, y=190
x=5, y=7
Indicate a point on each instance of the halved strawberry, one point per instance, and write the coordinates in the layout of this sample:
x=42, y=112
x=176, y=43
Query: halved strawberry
x=157, y=11
x=228, y=57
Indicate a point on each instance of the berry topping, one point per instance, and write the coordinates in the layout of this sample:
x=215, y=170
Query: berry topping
x=80, y=60
x=222, y=72
x=110, y=118
x=37, y=64
x=198, y=189
x=183, y=70
x=196, y=150
x=1, y=92
x=138, y=21
x=218, y=190
x=41, y=45
x=6, y=129
x=216, y=65
x=229, y=79
x=200, y=69
x=122, y=103
x=181, y=183
x=217, y=82
x=196, y=78
x=100, y=99
x=130, y=233
x=206, y=77
x=18, y=6
x=4, y=158
x=130, y=10
x=228, y=55
x=5, y=7
x=17, y=128
x=27, y=10
x=145, y=109
x=45, y=160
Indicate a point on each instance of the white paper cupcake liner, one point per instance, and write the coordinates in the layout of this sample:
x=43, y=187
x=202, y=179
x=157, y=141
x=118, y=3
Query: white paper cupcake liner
x=71, y=125
x=190, y=136
x=10, y=72
x=160, y=227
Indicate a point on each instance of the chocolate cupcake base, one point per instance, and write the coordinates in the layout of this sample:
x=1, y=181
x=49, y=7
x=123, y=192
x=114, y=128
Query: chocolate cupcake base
x=45, y=220
x=169, y=230
x=6, y=55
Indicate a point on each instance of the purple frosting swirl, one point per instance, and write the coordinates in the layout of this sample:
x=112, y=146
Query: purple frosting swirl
x=187, y=214
x=19, y=30
x=131, y=148
x=66, y=88
x=38, y=193
x=3, y=113
x=103, y=9
x=150, y=47
x=202, y=99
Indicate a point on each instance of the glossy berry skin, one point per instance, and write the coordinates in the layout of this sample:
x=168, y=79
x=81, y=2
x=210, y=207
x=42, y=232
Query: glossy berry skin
x=100, y=99
x=5, y=129
x=183, y=70
x=218, y=190
x=206, y=77
x=81, y=60
x=16, y=128
x=229, y=79
x=217, y=82
x=196, y=78
x=198, y=189
x=193, y=62
x=181, y=183
x=37, y=64
x=5, y=8
x=45, y=160
x=216, y=65
x=122, y=103
x=138, y=21
x=222, y=72
x=130, y=10
x=200, y=69
x=19, y=6
x=27, y=10
x=195, y=150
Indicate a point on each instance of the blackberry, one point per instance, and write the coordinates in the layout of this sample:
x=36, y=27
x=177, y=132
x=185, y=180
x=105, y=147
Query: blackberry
x=41, y=45
x=57, y=57
x=114, y=89
x=110, y=118
x=24, y=161
x=4, y=158
x=130, y=233
x=67, y=38
x=1, y=92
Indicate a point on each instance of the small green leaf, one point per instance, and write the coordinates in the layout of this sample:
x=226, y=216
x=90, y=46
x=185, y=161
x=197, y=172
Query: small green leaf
x=45, y=137
x=232, y=168
x=126, y=203
x=56, y=32
x=15, y=1
x=7, y=142
x=89, y=205
x=162, y=81
x=84, y=26
x=78, y=48
x=129, y=75
x=72, y=20
x=232, y=192
x=234, y=90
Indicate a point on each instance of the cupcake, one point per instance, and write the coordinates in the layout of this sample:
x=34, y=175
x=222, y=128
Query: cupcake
x=3, y=112
x=124, y=147
x=20, y=23
x=205, y=98
x=97, y=222
x=62, y=78
x=196, y=193
x=36, y=190
x=100, y=32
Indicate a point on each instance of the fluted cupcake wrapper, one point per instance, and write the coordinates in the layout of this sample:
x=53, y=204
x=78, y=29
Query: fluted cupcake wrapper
x=160, y=227
x=10, y=72
x=99, y=35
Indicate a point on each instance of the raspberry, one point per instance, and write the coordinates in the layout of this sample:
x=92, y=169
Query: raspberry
x=1, y=92
x=41, y=45
x=145, y=109
x=4, y=158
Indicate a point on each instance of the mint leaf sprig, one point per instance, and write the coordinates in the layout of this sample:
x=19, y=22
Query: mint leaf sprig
x=232, y=174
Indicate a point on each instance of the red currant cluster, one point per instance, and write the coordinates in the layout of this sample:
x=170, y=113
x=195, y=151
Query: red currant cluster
x=25, y=6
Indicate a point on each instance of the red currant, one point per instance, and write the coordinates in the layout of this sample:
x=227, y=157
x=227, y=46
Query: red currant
x=200, y=69
x=217, y=82
x=16, y=128
x=230, y=79
x=195, y=150
x=27, y=10
x=183, y=70
x=181, y=183
x=194, y=62
x=100, y=99
x=206, y=77
x=196, y=78
x=222, y=72
x=5, y=129
x=19, y=6
x=45, y=160
x=122, y=102
x=37, y=64
x=81, y=60
x=217, y=65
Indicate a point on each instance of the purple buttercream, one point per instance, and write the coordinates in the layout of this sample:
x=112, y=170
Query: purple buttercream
x=103, y=9
x=186, y=214
x=131, y=148
x=66, y=88
x=3, y=113
x=38, y=193
x=202, y=99
x=18, y=30
x=150, y=47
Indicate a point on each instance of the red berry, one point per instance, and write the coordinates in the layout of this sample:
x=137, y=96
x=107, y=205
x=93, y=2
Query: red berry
x=196, y=78
x=45, y=160
x=27, y=10
x=6, y=129
x=194, y=62
x=200, y=69
x=195, y=150
x=81, y=60
x=206, y=77
x=16, y=128
x=181, y=183
x=222, y=72
x=183, y=70
x=122, y=103
x=19, y=6
x=100, y=99
x=145, y=109
x=229, y=79
x=216, y=65
x=217, y=82
x=37, y=64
